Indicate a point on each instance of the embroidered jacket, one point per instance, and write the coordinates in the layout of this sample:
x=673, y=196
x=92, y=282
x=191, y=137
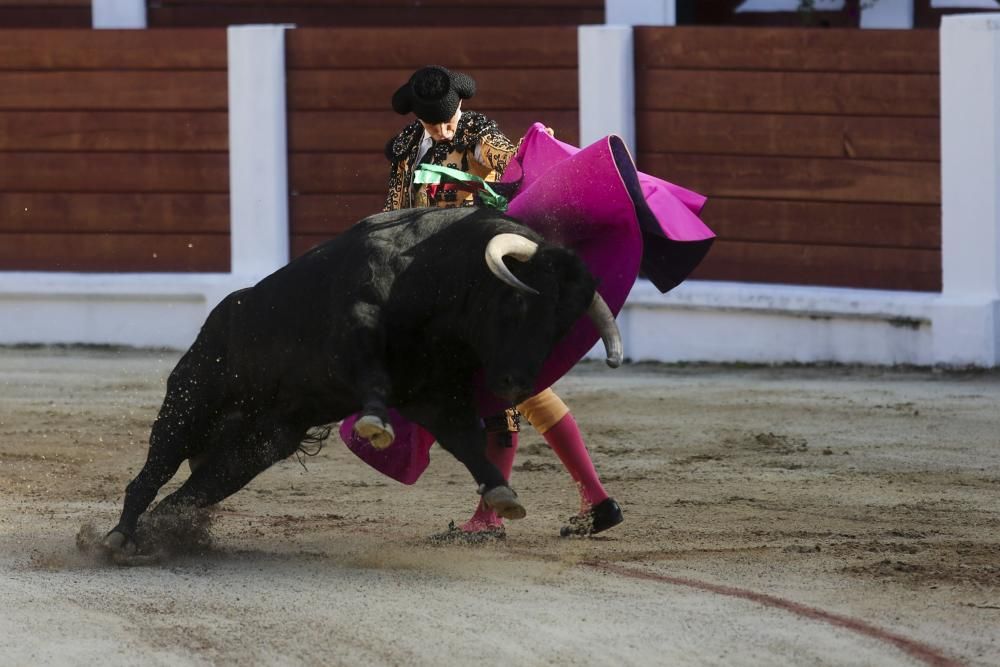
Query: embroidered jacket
x=473, y=130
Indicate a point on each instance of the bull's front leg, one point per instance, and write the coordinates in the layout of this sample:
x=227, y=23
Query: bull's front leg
x=462, y=433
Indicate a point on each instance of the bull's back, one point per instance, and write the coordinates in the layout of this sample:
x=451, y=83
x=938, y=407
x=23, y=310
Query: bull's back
x=298, y=318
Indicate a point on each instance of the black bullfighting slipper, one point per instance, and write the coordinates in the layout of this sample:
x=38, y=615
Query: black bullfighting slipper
x=455, y=535
x=605, y=514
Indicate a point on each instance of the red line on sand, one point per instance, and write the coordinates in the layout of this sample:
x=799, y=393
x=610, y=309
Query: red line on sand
x=915, y=649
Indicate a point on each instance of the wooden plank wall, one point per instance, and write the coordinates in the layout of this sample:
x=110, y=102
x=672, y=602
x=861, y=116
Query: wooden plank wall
x=819, y=149
x=45, y=14
x=375, y=13
x=341, y=81
x=113, y=150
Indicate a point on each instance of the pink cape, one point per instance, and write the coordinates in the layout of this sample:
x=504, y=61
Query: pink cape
x=594, y=201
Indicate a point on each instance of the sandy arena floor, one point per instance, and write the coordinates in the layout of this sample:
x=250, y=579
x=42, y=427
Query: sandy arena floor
x=800, y=516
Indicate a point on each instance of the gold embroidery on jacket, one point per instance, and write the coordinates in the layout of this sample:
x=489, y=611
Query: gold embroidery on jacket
x=474, y=129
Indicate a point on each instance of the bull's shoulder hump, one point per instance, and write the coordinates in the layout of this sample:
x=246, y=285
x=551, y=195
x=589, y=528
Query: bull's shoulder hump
x=411, y=220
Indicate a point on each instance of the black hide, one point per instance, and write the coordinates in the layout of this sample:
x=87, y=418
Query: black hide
x=400, y=310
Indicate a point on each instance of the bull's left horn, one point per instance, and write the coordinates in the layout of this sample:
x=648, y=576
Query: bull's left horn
x=601, y=316
x=513, y=245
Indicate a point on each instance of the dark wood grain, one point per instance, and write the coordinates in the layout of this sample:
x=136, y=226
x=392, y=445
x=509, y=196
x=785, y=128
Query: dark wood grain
x=114, y=252
x=787, y=49
x=809, y=179
x=114, y=131
x=189, y=49
x=114, y=172
x=836, y=266
x=788, y=92
x=862, y=137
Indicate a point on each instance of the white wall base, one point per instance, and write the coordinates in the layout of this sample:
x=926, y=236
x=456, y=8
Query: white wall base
x=967, y=332
x=698, y=321
x=139, y=310
x=758, y=323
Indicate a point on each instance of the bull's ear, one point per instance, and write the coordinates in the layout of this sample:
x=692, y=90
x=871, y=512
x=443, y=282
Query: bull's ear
x=570, y=268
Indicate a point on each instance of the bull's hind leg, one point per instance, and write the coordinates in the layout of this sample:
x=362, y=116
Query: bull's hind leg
x=176, y=433
x=164, y=458
x=231, y=465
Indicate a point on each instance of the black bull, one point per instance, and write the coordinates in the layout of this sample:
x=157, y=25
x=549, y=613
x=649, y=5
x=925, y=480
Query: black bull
x=401, y=310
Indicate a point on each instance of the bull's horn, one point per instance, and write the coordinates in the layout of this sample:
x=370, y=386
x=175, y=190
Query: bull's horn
x=515, y=246
x=601, y=316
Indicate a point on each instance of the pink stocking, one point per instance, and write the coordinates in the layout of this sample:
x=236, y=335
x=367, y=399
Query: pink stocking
x=566, y=441
x=502, y=456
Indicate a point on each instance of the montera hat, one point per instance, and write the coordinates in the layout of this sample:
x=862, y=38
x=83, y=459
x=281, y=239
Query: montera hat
x=433, y=94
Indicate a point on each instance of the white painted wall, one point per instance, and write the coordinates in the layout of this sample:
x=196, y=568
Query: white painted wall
x=258, y=150
x=606, y=83
x=965, y=4
x=118, y=13
x=640, y=12
x=894, y=14
x=968, y=319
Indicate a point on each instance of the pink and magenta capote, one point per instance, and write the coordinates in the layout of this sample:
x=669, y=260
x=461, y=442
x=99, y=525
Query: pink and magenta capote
x=618, y=220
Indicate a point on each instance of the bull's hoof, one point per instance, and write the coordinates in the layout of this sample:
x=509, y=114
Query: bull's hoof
x=375, y=431
x=118, y=544
x=121, y=549
x=503, y=501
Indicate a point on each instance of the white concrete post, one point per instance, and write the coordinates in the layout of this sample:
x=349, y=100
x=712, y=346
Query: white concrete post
x=258, y=151
x=607, y=83
x=640, y=12
x=118, y=13
x=897, y=14
x=967, y=322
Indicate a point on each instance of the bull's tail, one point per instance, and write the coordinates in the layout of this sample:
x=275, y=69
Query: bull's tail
x=313, y=442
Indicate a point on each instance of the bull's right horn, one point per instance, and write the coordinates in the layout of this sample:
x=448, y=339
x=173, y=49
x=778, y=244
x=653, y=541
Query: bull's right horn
x=604, y=320
x=516, y=246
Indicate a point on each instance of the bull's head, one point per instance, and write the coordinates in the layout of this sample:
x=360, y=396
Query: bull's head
x=552, y=289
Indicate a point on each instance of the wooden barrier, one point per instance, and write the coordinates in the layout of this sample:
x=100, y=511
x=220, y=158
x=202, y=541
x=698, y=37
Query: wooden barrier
x=113, y=151
x=375, y=13
x=45, y=14
x=819, y=149
x=340, y=83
